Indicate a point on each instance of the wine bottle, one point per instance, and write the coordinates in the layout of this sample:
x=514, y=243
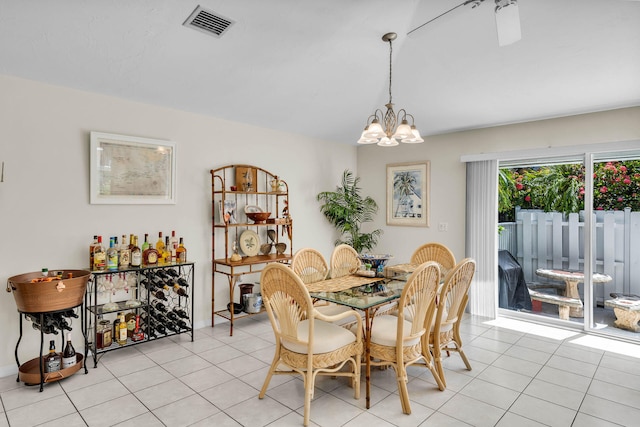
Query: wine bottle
x=182, y=324
x=70, y=313
x=160, y=295
x=136, y=253
x=99, y=256
x=171, y=272
x=180, y=290
x=59, y=322
x=53, y=360
x=69, y=354
x=160, y=306
x=112, y=254
x=182, y=282
x=159, y=327
x=171, y=316
x=180, y=312
x=124, y=256
x=181, y=252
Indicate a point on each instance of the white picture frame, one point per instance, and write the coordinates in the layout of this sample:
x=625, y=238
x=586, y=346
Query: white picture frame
x=408, y=194
x=131, y=170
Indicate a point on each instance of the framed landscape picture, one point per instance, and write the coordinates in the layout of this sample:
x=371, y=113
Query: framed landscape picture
x=131, y=170
x=408, y=194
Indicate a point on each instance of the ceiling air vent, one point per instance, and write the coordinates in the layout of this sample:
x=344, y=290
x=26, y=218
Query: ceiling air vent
x=208, y=22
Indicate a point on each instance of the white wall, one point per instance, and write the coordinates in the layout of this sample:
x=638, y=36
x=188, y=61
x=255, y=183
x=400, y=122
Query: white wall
x=45, y=216
x=448, y=174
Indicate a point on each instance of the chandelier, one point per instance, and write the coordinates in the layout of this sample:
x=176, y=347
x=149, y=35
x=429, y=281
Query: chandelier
x=383, y=129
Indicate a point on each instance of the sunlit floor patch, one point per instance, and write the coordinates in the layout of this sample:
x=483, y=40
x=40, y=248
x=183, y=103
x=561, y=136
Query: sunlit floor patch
x=610, y=345
x=532, y=328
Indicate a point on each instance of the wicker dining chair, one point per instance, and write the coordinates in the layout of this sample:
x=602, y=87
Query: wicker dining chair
x=396, y=341
x=310, y=265
x=307, y=342
x=434, y=252
x=344, y=261
x=452, y=301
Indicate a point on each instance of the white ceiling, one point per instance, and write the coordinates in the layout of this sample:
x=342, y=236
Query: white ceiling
x=319, y=68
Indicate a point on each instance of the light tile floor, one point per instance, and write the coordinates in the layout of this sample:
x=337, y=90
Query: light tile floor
x=523, y=374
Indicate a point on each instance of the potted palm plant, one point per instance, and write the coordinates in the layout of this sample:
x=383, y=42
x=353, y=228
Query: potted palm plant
x=347, y=210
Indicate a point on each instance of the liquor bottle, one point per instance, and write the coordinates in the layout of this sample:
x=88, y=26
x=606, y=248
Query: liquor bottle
x=173, y=246
x=138, y=333
x=122, y=330
x=53, y=360
x=112, y=255
x=92, y=247
x=136, y=254
x=145, y=244
x=150, y=256
x=181, y=252
x=130, y=318
x=160, y=244
x=166, y=253
x=116, y=327
x=69, y=354
x=131, y=245
x=99, y=256
x=124, y=257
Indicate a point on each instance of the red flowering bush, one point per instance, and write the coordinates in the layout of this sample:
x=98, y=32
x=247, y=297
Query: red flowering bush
x=560, y=188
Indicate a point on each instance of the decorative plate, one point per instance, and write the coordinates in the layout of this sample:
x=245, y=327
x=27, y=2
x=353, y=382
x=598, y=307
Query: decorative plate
x=252, y=209
x=249, y=243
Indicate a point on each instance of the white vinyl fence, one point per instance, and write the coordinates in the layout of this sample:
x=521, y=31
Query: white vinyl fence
x=554, y=240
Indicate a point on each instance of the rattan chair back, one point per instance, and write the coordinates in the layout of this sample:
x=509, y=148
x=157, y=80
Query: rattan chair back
x=434, y=252
x=344, y=261
x=454, y=295
x=310, y=265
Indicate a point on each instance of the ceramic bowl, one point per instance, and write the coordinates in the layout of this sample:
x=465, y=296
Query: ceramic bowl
x=258, y=217
x=376, y=260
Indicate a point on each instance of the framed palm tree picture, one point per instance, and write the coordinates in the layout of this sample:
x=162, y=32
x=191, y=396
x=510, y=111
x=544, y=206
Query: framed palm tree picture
x=408, y=194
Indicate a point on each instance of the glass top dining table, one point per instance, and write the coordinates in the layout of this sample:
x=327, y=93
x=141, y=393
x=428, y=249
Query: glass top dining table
x=368, y=296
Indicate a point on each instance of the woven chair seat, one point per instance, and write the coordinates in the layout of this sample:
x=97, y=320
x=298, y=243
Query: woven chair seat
x=386, y=330
x=327, y=337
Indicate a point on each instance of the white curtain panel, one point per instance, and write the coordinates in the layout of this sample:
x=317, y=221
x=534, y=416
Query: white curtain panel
x=482, y=235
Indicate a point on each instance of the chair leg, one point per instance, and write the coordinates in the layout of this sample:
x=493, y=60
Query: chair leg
x=272, y=369
x=308, y=394
x=356, y=376
x=401, y=376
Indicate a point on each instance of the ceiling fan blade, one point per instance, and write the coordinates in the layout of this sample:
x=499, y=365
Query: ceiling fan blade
x=507, y=22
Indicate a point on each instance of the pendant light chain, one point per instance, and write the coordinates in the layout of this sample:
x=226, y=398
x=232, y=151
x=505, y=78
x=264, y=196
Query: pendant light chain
x=390, y=67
